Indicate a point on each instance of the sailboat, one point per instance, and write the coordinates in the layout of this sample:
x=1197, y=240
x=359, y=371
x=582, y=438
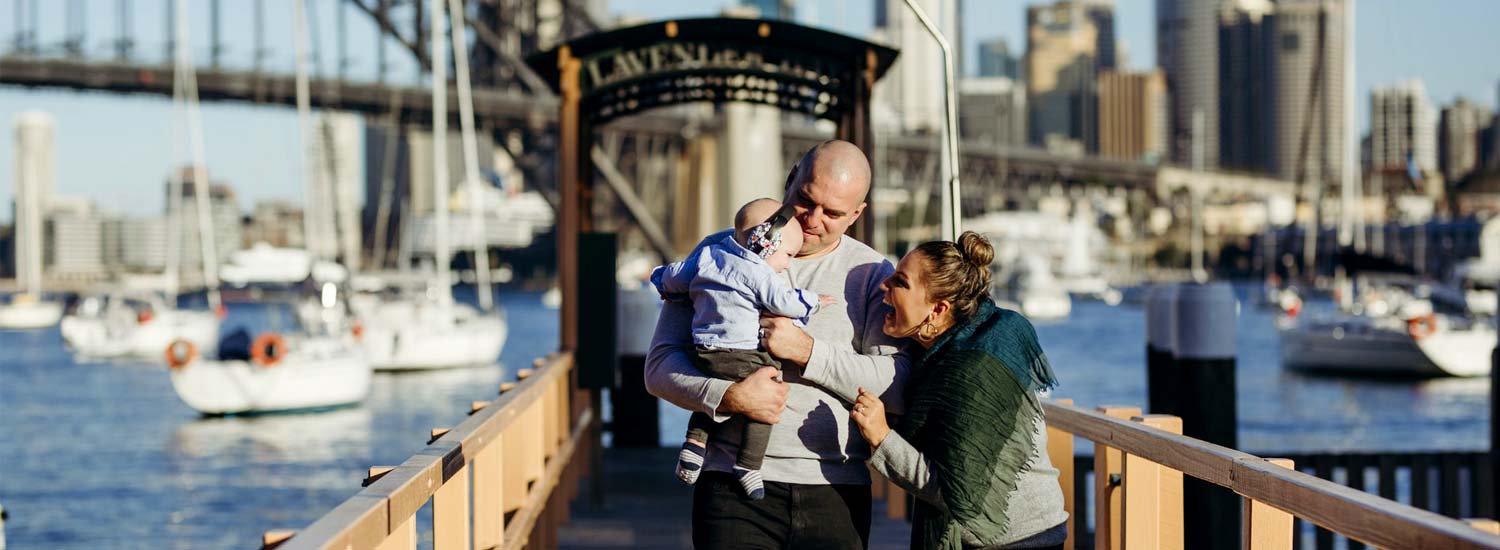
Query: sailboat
x=308, y=358
x=29, y=309
x=1079, y=272
x=431, y=331
x=143, y=323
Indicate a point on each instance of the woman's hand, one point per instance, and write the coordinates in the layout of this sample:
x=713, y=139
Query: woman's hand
x=869, y=415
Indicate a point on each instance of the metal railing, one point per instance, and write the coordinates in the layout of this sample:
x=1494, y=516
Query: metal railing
x=1139, y=463
x=503, y=478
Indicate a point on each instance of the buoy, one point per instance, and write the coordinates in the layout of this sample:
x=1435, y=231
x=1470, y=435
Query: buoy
x=1421, y=326
x=267, y=349
x=143, y=317
x=181, y=352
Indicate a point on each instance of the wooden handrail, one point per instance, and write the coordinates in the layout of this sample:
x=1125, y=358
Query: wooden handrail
x=1352, y=513
x=375, y=513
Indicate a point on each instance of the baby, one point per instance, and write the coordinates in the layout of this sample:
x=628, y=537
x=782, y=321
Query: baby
x=730, y=282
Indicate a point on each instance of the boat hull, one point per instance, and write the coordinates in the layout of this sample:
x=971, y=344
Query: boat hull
x=403, y=339
x=1362, y=349
x=321, y=375
x=30, y=315
x=114, y=337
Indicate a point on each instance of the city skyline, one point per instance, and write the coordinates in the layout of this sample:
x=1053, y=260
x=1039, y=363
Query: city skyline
x=114, y=148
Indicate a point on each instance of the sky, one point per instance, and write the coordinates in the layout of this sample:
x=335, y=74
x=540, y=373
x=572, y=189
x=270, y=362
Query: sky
x=116, y=149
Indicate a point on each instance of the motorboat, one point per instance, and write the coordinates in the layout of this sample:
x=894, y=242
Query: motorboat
x=1028, y=286
x=1390, y=330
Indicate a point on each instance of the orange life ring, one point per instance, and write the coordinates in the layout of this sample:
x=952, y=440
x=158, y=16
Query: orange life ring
x=1421, y=326
x=181, y=352
x=268, y=349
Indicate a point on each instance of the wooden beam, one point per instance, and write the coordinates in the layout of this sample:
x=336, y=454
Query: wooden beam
x=1060, y=453
x=1265, y=527
x=1153, y=496
x=1108, y=466
x=450, y=513
x=1355, y=514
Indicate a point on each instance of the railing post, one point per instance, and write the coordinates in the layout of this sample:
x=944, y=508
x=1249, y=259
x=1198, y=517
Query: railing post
x=1205, y=365
x=450, y=513
x=489, y=517
x=272, y=539
x=1267, y=528
x=1060, y=451
x=1153, y=496
x=1495, y=423
x=1108, y=464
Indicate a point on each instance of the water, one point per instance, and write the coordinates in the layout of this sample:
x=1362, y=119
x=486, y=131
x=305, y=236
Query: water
x=104, y=455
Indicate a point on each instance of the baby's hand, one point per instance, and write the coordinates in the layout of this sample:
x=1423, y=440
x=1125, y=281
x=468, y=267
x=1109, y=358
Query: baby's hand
x=826, y=300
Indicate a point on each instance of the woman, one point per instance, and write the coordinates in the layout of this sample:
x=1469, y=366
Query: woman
x=972, y=445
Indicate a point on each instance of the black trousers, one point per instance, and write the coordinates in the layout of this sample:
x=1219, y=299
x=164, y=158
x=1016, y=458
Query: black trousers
x=791, y=515
x=733, y=364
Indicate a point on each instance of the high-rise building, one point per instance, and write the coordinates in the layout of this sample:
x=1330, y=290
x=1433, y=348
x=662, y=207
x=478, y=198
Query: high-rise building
x=334, y=180
x=35, y=179
x=1461, y=129
x=142, y=243
x=75, y=245
x=1102, y=14
x=274, y=222
x=1187, y=49
x=224, y=220
x=1060, y=73
x=1403, y=130
x=992, y=110
x=1132, y=115
x=774, y=9
x=995, y=59
x=1309, y=89
x=1247, y=135
x=913, y=89
x=407, y=158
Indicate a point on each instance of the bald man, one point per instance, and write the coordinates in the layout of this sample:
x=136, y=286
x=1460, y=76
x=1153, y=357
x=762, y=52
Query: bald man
x=817, y=487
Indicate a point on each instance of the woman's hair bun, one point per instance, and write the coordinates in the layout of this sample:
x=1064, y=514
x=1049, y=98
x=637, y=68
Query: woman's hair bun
x=976, y=249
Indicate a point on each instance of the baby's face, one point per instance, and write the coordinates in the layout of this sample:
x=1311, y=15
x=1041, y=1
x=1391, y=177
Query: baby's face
x=791, y=242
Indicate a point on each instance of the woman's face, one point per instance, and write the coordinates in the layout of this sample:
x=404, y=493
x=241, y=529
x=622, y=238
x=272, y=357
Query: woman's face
x=906, y=293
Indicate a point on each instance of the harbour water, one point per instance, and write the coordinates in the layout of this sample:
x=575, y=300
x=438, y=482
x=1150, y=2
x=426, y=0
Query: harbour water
x=103, y=455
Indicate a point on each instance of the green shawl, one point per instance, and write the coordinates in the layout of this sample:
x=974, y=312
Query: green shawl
x=971, y=408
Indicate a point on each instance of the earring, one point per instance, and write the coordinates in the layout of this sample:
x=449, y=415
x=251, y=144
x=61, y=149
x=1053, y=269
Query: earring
x=927, y=331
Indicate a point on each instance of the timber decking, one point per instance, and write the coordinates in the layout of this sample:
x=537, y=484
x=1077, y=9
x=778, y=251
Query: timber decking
x=646, y=507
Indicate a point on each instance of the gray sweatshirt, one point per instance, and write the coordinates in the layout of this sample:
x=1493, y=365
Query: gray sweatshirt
x=815, y=442
x=1035, y=512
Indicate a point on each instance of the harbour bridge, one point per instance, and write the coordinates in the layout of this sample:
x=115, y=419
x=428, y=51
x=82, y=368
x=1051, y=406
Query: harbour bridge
x=646, y=159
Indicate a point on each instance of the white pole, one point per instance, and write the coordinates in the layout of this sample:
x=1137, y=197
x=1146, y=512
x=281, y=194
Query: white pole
x=471, y=158
x=1196, y=238
x=952, y=218
x=441, y=254
x=206, y=245
x=1353, y=179
x=304, y=115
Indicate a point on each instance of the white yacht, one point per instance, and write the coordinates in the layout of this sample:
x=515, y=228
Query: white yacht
x=430, y=330
x=140, y=326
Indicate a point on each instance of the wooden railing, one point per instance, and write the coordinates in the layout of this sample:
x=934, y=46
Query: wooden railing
x=1139, y=463
x=511, y=463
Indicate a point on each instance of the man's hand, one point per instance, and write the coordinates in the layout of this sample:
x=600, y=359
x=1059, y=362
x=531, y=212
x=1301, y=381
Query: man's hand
x=869, y=414
x=759, y=397
x=780, y=337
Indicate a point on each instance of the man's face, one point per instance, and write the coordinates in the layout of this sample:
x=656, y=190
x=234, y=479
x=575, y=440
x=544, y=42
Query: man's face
x=825, y=208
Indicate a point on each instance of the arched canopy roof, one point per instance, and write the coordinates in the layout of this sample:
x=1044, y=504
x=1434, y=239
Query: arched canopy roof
x=790, y=66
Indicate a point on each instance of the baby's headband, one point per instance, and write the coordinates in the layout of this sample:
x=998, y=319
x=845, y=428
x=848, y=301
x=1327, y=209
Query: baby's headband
x=765, y=238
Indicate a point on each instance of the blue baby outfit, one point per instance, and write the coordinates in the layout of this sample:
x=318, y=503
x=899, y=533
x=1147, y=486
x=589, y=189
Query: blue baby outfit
x=729, y=286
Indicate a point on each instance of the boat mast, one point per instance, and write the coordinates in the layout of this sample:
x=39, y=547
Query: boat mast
x=471, y=159
x=206, y=245
x=441, y=253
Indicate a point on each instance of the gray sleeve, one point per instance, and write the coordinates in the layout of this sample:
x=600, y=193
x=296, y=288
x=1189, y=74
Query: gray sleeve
x=900, y=462
x=670, y=373
x=878, y=363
